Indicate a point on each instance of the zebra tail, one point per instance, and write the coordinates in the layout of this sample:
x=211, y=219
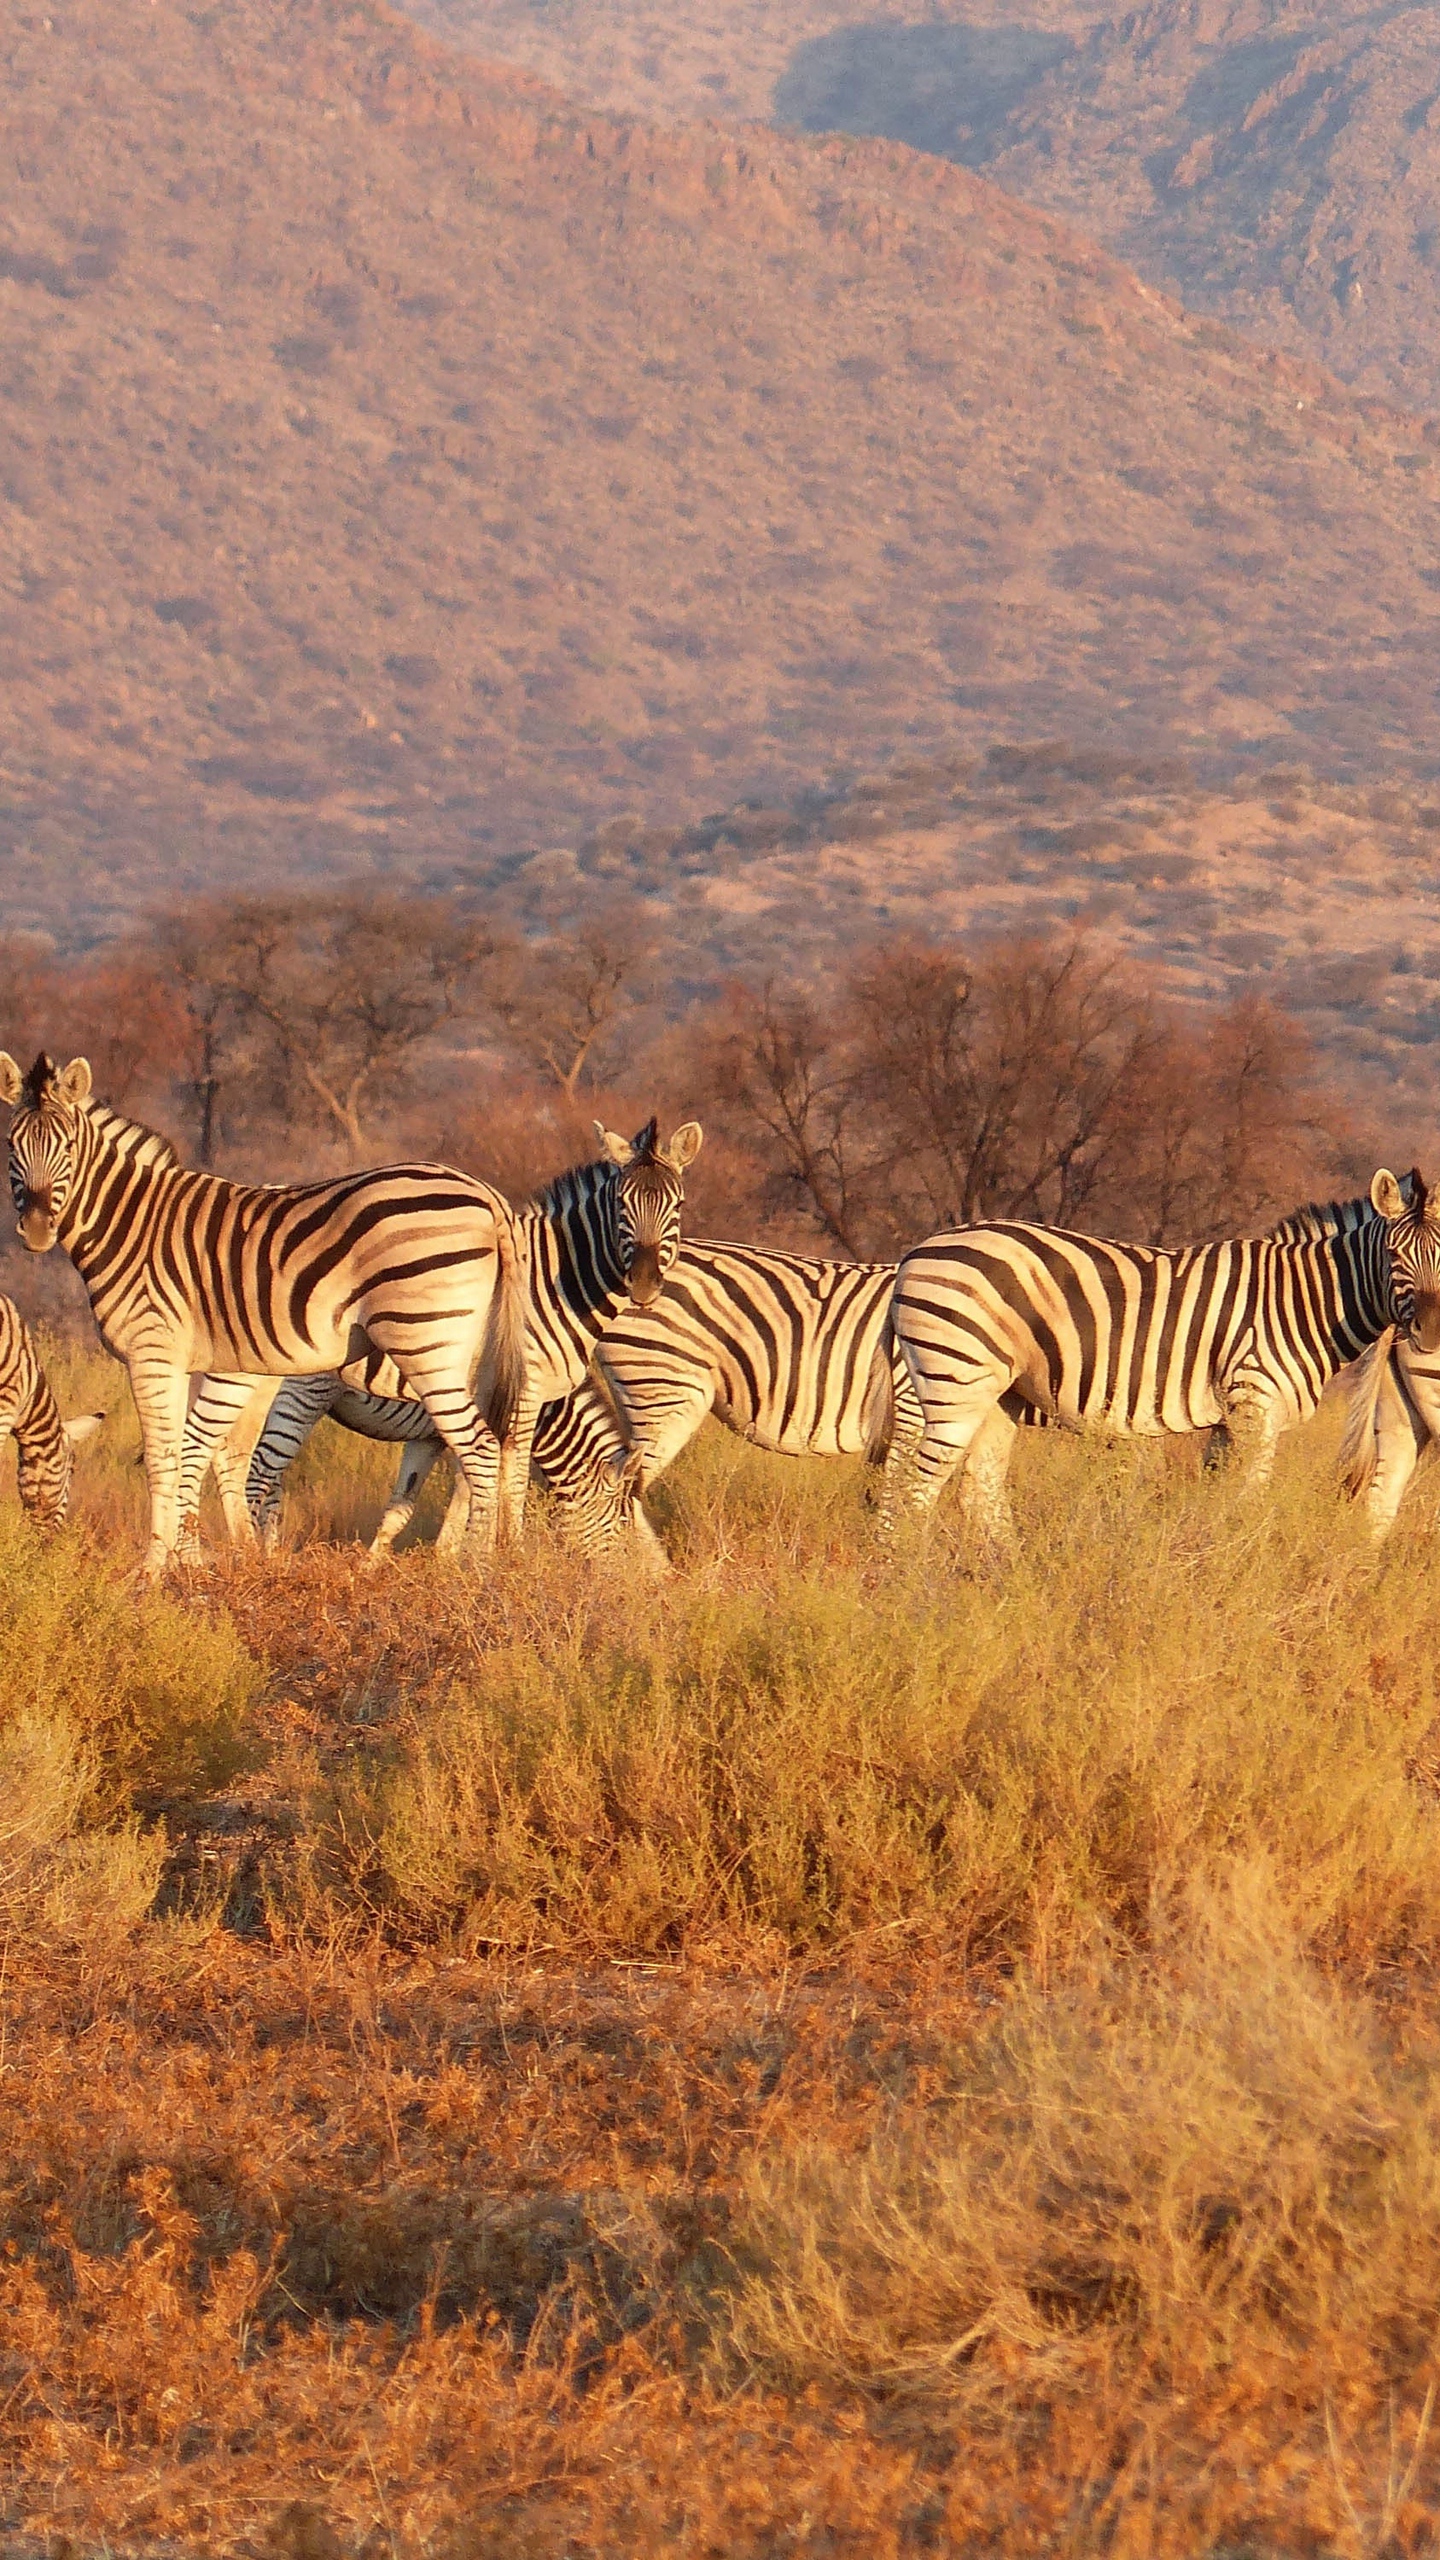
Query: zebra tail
x=1360, y=1450
x=506, y=1341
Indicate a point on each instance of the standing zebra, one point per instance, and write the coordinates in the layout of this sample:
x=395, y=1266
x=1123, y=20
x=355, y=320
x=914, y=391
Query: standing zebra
x=791, y=1353
x=1144, y=1339
x=44, y=1444
x=188, y=1272
x=597, y=1235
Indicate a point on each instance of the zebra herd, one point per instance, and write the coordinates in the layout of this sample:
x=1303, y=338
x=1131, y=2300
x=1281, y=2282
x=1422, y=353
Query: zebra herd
x=581, y=1336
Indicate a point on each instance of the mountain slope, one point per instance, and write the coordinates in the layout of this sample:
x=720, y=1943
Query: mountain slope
x=398, y=464
x=1276, y=162
x=1279, y=165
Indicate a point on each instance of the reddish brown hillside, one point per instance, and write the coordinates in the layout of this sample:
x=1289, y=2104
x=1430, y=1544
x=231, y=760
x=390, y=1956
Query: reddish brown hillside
x=398, y=465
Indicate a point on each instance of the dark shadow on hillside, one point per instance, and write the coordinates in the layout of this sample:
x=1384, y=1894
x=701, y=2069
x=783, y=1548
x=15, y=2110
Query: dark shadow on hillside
x=946, y=89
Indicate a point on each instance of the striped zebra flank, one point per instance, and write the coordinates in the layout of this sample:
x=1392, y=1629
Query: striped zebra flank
x=1134, y=1339
x=187, y=1272
x=792, y=1353
x=599, y=1238
x=45, y=1445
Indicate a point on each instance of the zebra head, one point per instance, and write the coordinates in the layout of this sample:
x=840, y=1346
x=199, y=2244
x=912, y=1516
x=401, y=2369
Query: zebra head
x=48, y=1104
x=1413, y=1241
x=648, y=1198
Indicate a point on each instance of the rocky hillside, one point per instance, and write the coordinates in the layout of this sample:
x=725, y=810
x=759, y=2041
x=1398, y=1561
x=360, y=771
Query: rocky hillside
x=398, y=464
x=1274, y=162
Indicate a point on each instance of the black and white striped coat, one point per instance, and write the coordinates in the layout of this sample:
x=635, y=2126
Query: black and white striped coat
x=187, y=1272
x=1145, y=1339
x=791, y=1352
x=29, y=1415
x=579, y=1455
x=599, y=1239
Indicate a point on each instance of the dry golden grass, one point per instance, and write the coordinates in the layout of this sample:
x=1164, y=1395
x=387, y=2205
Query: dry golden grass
x=816, y=2058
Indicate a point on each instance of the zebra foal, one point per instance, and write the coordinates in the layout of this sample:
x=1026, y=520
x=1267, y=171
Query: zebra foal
x=1144, y=1339
x=45, y=1445
x=187, y=1272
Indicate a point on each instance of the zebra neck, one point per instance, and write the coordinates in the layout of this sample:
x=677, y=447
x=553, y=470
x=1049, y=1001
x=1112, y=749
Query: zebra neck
x=1360, y=1292
x=118, y=1166
x=575, y=1267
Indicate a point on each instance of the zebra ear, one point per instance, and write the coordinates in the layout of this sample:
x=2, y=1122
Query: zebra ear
x=11, y=1079
x=685, y=1146
x=613, y=1148
x=75, y=1082
x=1386, y=1196
x=83, y=1426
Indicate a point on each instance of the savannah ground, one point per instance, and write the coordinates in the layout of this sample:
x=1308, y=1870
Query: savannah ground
x=816, y=2059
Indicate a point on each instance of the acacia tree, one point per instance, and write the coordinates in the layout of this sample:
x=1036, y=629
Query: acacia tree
x=781, y=1068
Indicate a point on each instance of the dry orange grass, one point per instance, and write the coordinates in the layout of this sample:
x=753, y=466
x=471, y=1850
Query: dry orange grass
x=815, y=2059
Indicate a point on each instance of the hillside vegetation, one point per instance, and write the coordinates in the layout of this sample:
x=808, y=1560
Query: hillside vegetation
x=400, y=466
x=1273, y=162
x=819, y=2054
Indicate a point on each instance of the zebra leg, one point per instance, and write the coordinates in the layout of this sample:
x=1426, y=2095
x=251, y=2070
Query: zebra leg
x=656, y=1439
x=298, y=1404
x=985, y=1498
x=515, y=1466
x=417, y=1457
x=918, y=1469
x=444, y=1391
x=161, y=1397
x=1254, y=1425
x=216, y=1436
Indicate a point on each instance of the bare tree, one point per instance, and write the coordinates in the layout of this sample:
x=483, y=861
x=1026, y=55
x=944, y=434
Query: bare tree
x=785, y=1071
x=567, y=997
x=1031, y=1080
x=341, y=992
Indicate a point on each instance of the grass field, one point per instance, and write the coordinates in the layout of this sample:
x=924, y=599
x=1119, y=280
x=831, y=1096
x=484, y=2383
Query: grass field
x=819, y=2058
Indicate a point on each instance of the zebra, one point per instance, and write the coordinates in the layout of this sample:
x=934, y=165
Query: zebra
x=1146, y=1339
x=579, y=1454
x=188, y=1272
x=790, y=1352
x=602, y=1232
x=44, y=1444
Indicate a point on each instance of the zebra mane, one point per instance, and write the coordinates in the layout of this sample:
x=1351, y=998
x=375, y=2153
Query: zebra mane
x=571, y=1189
x=139, y=1144
x=1318, y=1219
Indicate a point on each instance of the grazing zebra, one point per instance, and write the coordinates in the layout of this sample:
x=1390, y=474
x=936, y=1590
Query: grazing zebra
x=790, y=1352
x=44, y=1444
x=187, y=1272
x=1144, y=1339
x=597, y=1235
x=1393, y=1414
x=579, y=1454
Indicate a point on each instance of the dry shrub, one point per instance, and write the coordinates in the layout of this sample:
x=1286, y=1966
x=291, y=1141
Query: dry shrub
x=1208, y=2165
x=803, y=1751
x=141, y=1698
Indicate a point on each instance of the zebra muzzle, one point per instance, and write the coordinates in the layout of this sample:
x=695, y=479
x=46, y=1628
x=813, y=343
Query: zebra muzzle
x=1425, y=1324
x=643, y=1277
x=37, y=1229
